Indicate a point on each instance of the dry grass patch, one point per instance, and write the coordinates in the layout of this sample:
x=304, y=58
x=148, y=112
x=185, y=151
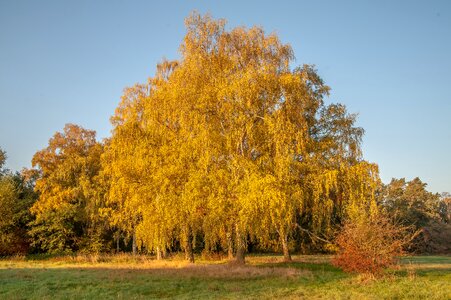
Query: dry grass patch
x=123, y=264
x=233, y=271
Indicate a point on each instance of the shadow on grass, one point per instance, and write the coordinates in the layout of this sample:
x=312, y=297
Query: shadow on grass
x=144, y=278
x=193, y=281
x=326, y=267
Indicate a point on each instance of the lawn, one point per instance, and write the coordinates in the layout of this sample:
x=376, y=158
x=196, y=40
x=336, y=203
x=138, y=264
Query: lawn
x=264, y=277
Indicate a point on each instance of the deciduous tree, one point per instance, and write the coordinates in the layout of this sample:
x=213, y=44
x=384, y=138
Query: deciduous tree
x=229, y=143
x=65, y=213
x=16, y=198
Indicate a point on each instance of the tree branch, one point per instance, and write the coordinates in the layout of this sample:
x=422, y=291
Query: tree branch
x=311, y=234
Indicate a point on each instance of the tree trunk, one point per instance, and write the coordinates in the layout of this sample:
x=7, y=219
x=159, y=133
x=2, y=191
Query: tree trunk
x=158, y=253
x=117, y=243
x=286, y=251
x=134, y=243
x=229, y=246
x=189, y=254
x=240, y=247
x=240, y=256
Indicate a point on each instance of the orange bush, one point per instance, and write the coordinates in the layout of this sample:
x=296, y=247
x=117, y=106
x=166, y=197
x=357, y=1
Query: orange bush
x=369, y=245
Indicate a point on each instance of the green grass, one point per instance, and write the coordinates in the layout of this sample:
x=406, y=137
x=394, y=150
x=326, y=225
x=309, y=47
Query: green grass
x=264, y=277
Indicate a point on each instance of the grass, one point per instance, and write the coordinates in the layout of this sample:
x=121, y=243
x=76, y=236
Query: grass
x=264, y=277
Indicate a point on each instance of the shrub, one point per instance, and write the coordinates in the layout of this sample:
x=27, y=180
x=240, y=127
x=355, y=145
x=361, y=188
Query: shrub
x=370, y=245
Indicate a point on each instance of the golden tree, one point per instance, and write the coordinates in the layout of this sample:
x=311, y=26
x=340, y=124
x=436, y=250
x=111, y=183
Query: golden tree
x=66, y=217
x=230, y=143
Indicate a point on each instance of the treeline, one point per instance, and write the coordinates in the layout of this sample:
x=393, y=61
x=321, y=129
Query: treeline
x=226, y=150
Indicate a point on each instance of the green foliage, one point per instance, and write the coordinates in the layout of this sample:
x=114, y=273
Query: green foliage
x=16, y=197
x=55, y=230
x=445, y=208
x=411, y=204
x=2, y=160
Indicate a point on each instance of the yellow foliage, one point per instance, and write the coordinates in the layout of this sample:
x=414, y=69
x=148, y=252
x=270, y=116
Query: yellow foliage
x=229, y=141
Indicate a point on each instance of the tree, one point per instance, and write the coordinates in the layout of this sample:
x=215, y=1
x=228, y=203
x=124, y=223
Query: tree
x=445, y=207
x=2, y=160
x=411, y=204
x=16, y=197
x=65, y=214
x=230, y=144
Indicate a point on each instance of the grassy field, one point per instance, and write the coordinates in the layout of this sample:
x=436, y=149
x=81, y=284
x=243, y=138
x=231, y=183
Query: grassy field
x=264, y=277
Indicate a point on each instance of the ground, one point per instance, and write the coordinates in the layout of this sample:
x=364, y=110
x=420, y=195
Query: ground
x=264, y=277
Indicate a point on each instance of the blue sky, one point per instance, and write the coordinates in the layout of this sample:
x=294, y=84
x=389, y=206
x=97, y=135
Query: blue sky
x=68, y=62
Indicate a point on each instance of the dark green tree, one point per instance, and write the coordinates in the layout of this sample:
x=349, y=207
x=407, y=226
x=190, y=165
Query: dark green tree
x=411, y=204
x=16, y=198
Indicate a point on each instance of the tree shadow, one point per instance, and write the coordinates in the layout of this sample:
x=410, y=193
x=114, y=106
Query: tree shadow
x=188, y=281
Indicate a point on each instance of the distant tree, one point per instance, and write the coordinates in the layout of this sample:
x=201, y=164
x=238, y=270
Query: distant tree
x=16, y=198
x=445, y=207
x=411, y=204
x=410, y=201
x=2, y=161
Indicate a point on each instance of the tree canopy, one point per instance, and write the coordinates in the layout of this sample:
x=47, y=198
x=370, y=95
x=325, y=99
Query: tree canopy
x=231, y=144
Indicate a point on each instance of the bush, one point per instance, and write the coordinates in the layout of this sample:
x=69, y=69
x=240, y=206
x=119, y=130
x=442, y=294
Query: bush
x=370, y=245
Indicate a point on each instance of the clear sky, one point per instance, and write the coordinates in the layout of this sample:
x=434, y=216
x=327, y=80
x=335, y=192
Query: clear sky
x=68, y=62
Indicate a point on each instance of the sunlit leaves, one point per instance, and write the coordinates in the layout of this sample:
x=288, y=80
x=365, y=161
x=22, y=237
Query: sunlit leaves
x=66, y=208
x=230, y=143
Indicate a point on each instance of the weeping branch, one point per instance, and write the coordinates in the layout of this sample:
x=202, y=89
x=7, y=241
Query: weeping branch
x=311, y=234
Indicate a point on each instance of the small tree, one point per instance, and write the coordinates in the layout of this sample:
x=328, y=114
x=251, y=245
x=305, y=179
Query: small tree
x=370, y=244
